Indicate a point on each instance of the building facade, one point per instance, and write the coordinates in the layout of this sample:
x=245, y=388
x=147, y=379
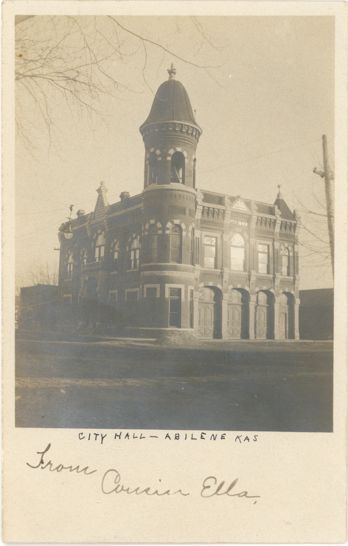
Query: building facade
x=176, y=258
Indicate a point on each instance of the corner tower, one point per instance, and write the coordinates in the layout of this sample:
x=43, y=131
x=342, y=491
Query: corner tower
x=170, y=135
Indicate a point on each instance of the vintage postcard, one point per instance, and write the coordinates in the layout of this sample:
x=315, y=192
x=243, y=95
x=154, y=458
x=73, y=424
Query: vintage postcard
x=175, y=272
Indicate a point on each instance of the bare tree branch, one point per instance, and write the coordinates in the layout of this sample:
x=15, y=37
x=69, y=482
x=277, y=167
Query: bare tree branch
x=75, y=62
x=161, y=46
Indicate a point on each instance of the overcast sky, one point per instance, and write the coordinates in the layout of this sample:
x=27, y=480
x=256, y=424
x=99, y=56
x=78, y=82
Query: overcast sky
x=263, y=107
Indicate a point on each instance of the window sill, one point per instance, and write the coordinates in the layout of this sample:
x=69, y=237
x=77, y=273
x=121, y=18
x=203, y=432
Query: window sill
x=239, y=271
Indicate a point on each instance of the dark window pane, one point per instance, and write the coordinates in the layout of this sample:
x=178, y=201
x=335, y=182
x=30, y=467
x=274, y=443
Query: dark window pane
x=175, y=307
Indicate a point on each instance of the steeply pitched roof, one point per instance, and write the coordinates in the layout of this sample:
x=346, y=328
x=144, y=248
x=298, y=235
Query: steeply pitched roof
x=171, y=103
x=283, y=207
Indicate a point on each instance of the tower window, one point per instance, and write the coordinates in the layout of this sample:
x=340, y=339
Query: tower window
x=152, y=169
x=175, y=307
x=177, y=171
x=237, y=253
x=153, y=243
x=176, y=244
x=151, y=292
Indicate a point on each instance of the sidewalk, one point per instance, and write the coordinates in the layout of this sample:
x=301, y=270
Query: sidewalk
x=49, y=338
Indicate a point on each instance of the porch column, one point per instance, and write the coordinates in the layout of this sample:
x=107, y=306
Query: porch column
x=196, y=311
x=224, y=316
x=297, y=318
x=276, y=318
x=252, y=303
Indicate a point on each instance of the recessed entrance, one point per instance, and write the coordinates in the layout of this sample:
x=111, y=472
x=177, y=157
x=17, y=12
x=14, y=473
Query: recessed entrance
x=286, y=316
x=237, y=314
x=264, y=321
x=210, y=313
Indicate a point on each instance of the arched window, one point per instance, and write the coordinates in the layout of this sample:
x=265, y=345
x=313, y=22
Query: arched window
x=83, y=256
x=177, y=168
x=176, y=244
x=285, y=260
x=237, y=253
x=152, y=169
x=99, y=247
x=115, y=253
x=134, y=253
x=153, y=243
x=70, y=264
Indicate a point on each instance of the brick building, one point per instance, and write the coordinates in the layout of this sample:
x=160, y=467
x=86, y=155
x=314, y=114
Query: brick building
x=176, y=258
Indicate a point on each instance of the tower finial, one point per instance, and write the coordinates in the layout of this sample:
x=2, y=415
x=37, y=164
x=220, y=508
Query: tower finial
x=171, y=71
x=279, y=196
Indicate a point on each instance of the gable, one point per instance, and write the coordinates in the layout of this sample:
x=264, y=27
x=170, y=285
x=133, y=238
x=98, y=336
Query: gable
x=238, y=204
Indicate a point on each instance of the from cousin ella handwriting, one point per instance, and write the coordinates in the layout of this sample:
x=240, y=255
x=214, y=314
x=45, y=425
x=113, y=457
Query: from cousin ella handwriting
x=112, y=482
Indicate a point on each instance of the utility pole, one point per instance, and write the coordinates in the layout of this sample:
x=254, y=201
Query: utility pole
x=328, y=177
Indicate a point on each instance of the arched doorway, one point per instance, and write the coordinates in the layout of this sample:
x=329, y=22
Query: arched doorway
x=237, y=314
x=264, y=315
x=210, y=312
x=286, y=316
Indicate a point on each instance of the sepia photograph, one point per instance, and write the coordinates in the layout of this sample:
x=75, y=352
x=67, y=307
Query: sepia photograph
x=174, y=272
x=174, y=222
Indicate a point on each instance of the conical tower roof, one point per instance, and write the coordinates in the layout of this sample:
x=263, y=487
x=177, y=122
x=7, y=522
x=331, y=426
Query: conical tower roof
x=171, y=103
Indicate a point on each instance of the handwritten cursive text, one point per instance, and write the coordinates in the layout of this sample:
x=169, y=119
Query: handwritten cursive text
x=53, y=467
x=111, y=483
x=211, y=487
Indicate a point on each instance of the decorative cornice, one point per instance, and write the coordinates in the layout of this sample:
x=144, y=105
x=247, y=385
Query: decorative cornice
x=185, y=128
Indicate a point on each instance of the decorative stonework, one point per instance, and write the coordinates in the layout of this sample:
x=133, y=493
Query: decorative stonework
x=288, y=226
x=172, y=223
x=183, y=128
x=213, y=214
x=265, y=222
x=152, y=222
x=236, y=203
